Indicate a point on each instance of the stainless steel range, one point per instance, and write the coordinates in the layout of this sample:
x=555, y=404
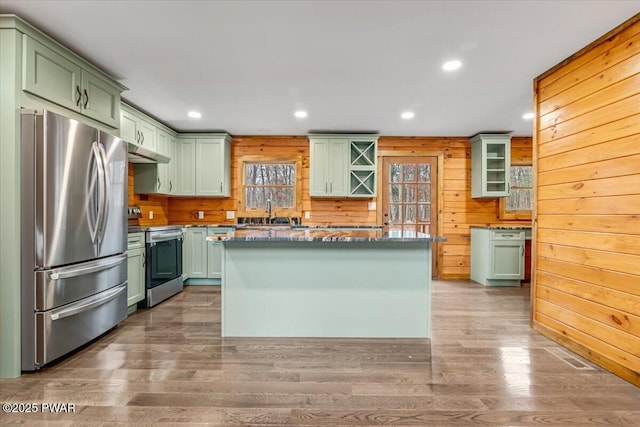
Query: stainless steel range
x=163, y=274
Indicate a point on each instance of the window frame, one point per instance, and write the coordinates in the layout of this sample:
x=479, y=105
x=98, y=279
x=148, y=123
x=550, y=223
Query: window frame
x=517, y=215
x=296, y=211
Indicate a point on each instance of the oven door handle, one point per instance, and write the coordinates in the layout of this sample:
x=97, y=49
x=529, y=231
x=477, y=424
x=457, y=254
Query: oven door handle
x=162, y=237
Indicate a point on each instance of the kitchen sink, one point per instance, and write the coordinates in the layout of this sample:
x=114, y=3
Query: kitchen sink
x=265, y=222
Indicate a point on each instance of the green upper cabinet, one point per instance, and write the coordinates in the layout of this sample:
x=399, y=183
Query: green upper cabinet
x=213, y=167
x=490, y=165
x=342, y=165
x=363, y=161
x=185, y=166
x=171, y=166
x=203, y=165
x=137, y=128
x=162, y=142
x=328, y=167
x=61, y=78
x=153, y=178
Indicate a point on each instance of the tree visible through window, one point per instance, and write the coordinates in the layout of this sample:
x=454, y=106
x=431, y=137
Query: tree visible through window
x=519, y=203
x=269, y=181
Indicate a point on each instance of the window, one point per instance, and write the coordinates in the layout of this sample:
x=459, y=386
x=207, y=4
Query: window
x=519, y=203
x=269, y=181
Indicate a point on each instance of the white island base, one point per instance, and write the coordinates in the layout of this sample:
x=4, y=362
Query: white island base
x=326, y=289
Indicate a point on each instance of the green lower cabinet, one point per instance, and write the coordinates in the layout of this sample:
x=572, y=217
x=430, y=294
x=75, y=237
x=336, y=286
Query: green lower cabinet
x=135, y=269
x=497, y=256
x=214, y=260
x=196, y=262
x=203, y=259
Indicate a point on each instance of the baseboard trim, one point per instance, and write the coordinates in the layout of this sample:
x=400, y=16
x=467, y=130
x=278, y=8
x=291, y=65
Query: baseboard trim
x=599, y=359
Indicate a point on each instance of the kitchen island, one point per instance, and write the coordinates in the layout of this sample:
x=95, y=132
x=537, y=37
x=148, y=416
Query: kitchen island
x=283, y=282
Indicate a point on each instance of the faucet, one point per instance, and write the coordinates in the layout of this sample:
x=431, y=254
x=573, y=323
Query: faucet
x=268, y=210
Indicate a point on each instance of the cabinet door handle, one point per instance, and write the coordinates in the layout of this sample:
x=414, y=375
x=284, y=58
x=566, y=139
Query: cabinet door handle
x=326, y=187
x=137, y=136
x=170, y=185
x=86, y=99
x=159, y=183
x=331, y=187
x=144, y=259
x=221, y=187
x=78, y=96
x=142, y=136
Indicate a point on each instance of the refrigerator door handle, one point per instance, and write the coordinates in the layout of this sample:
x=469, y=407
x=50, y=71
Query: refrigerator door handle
x=94, y=302
x=98, y=266
x=105, y=194
x=101, y=190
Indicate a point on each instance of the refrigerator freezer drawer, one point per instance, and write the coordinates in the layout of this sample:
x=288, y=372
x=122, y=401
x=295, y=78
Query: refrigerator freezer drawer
x=64, y=285
x=66, y=328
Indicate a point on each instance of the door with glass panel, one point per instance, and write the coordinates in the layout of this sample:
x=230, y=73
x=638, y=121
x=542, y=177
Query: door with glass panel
x=409, y=191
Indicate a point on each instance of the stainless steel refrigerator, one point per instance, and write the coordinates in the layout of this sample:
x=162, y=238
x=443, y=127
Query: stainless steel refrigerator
x=74, y=235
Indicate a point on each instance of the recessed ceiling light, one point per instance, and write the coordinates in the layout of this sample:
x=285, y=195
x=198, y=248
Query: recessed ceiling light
x=407, y=115
x=194, y=114
x=451, y=65
x=300, y=114
x=527, y=116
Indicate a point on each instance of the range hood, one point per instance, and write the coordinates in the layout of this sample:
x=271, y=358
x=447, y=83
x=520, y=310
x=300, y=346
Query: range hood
x=138, y=154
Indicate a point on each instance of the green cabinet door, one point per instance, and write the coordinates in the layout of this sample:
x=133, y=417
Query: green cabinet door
x=147, y=135
x=185, y=167
x=318, y=167
x=185, y=259
x=209, y=163
x=215, y=252
x=101, y=100
x=162, y=141
x=214, y=261
x=197, y=253
x=507, y=259
x=128, y=126
x=136, y=258
x=135, y=276
x=338, y=168
x=171, y=166
x=50, y=75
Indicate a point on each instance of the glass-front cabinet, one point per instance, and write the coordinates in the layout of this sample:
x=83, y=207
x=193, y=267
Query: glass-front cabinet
x=490, y=163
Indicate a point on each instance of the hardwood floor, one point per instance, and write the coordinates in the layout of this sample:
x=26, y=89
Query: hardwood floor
x=484, y=366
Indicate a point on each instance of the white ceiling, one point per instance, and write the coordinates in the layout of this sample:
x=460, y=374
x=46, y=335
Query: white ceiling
x=353, y=65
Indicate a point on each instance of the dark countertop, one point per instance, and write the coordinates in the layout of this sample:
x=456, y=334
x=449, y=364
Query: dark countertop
x=137, y=229
x=286, y=234
x=144, y=228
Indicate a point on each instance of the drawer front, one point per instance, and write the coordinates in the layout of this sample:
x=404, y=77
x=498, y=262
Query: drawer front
x=135, y=241
x=507, y=235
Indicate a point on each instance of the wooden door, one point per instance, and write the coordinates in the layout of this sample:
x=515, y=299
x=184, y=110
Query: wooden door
x=409, y=196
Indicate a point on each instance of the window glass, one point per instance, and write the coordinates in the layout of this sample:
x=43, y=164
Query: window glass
x=520, y=194
x=269, y=181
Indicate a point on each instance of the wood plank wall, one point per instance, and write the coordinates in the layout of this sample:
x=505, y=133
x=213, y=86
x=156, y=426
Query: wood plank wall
x=159, y=205
x=586, y=289
x=460, y=211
